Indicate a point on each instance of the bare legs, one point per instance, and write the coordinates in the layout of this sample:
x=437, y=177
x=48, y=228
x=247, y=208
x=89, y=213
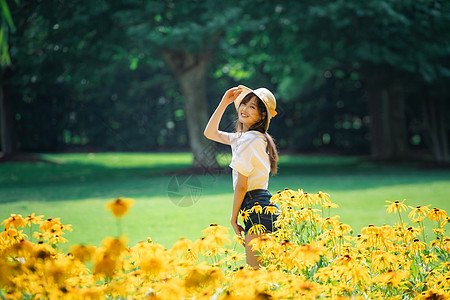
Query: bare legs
x=251, y=257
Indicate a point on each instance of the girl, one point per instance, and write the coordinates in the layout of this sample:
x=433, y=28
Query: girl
x=254, y=155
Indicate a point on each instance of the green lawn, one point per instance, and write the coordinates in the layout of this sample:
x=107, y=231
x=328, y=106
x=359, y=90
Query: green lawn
x=77, y=186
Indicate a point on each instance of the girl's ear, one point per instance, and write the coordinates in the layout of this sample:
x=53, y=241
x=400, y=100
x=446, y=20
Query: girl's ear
x=263, y=115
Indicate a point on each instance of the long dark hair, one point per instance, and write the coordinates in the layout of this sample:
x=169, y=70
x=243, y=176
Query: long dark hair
x=260, y=126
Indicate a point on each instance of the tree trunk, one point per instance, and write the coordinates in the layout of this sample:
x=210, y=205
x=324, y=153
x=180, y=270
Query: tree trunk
x=8, y=142
x=435, y=130
x=398, y=122
x=388, y=130
x=190, y=71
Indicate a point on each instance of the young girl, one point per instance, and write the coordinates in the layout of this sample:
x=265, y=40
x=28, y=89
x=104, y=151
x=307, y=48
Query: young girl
x=254, y=156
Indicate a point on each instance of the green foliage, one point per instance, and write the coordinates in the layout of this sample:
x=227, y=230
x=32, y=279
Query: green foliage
x=94, y=72
x=7, y=25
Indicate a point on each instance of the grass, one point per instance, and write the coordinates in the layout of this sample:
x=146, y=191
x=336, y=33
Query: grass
x=77, y=187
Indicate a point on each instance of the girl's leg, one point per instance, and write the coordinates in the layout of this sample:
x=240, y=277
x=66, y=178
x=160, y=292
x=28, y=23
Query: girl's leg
x=251, y=257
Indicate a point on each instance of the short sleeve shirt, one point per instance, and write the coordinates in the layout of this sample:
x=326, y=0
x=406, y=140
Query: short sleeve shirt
x=250, y=158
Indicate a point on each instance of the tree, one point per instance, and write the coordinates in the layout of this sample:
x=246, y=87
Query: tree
x=6, y=111
x=187, y=34
x=387, y=43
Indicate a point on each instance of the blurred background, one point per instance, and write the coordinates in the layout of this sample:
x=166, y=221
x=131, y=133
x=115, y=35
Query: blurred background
x=351, y=77
x=101, y=99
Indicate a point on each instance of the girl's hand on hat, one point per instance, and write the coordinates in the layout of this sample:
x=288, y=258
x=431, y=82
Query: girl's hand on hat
x=231, y=95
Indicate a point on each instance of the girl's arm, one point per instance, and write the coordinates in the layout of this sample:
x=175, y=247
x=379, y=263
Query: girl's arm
x=212, y=131
x=239, y=194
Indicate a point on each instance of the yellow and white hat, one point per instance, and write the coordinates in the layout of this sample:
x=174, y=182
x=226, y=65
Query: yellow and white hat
x=264, y=95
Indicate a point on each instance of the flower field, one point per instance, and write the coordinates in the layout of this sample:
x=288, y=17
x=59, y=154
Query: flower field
x=313, y=255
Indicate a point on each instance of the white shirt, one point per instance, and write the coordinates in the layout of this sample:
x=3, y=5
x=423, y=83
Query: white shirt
x=250, y=158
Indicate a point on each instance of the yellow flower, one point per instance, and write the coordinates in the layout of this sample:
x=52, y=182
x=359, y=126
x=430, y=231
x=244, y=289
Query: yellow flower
x=396, y=206
x=324, y=197
x=309, y=199
x=411, y=232
x=32, y=219
x=417, y=245
x=329, y=205
x=431, y=257
x=433, y=294
x=332, y=221
x=105, y=266
x=113, y=246
x=238, y=239
x=383, y=260
x=120, y=206
x=391, y=278
x=419, y=211
x=310, y=253
x=15, y=221
x=245, y=214
x=83, y=253
x=57, y=239
x=181, y=246
x=13, y=235
x=215, y=229
x=191, y=256
x=257, y=229
x=271, y=209
x=152, y=265
x=438, y=231
x=445, y=221
x=257, y=208
x=49, y=223
x=437, y=214
x=235, y=257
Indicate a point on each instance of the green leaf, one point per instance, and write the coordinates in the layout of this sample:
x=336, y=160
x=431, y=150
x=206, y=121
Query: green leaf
x=7, y=15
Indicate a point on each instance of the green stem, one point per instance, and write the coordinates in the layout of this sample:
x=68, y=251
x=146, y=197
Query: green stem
x=119, y=227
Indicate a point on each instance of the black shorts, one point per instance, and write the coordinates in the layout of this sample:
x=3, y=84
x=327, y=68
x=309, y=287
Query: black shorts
x=260, y=197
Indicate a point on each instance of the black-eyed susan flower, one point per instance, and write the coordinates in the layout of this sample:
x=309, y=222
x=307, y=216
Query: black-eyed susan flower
x=245, y=215
x=437, y=214
x=152, y=265
x=396, y=206
x=271, y=209
x=329, y=205
x=238, y=239
x=324, y=197
x=57, y=239
x=309, y=199
x=181, y=246
x=391, y=278
x=191, y=256
x=417, y=246
x=15, y=221
x=49, y=223
x=105, y=266
x=120, y=206
x=235, y=257
x=83, y=253
x=215, y=229
x=12, y=235
x=33, y=219
x=257, y=229
x=113, y=246
x=257, y=208
x=429, y=258
x=419, y=212
x=434, y=293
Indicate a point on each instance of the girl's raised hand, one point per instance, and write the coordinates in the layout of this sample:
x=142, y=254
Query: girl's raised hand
x=231, y=95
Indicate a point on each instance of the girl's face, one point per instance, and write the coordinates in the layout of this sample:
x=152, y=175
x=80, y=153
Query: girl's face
x=248, y=113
